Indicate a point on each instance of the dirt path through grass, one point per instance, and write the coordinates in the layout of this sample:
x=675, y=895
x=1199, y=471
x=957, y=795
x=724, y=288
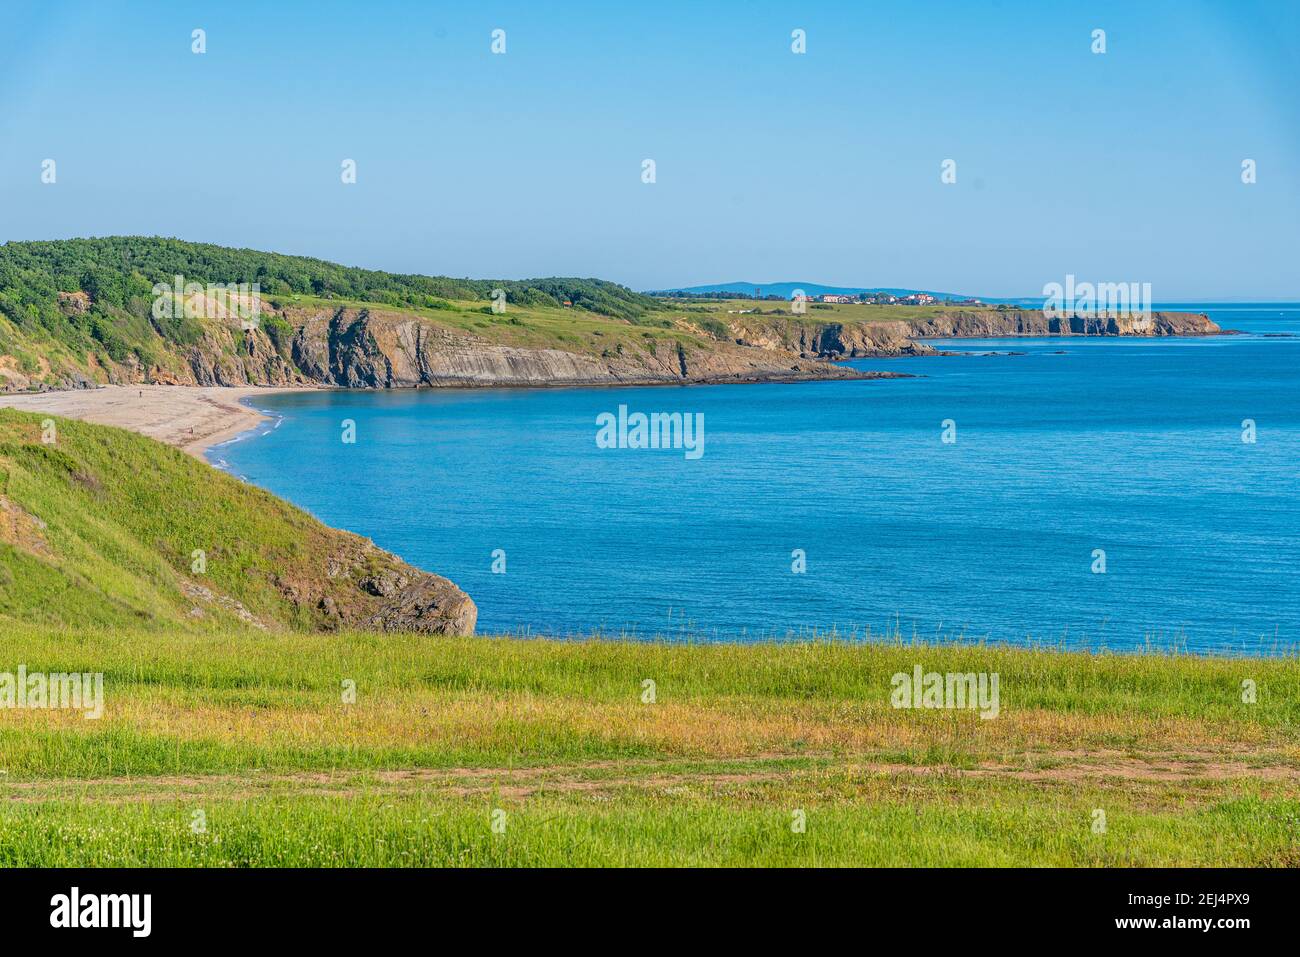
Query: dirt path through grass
x=1051, y=767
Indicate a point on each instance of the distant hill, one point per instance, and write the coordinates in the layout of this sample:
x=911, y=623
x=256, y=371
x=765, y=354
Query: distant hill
x=786, y=289
x=114, y=270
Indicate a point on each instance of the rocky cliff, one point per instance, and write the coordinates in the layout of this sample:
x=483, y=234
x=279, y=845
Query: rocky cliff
x=367, y=587
x=375, y=349
x=77, y=313
x=839, y=340
x=379, y=348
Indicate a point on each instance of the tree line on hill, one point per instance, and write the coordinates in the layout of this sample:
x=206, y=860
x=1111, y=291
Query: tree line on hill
x=118, y=274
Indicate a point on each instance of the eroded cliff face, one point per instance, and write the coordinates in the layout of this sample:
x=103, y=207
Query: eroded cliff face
x=379, y=349
x=368, y=349
x=835, y=340
x=363, y=349
x=367, y=587
x=1024, y=322
x=354, y=585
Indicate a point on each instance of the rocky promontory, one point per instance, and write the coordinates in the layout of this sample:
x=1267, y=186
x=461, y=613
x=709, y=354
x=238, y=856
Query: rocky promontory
x=866, y=339
x=366, y=348
x=133, y=531
x=132, y=310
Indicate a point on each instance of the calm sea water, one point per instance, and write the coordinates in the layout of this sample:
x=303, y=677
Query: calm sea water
x=1132, y=446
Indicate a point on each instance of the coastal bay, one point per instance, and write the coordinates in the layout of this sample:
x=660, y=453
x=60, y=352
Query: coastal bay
x=1131, y=446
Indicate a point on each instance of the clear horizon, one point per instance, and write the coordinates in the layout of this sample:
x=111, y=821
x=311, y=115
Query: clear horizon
x=1118, y=166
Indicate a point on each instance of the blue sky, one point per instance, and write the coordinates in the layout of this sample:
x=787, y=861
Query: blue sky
x=771, y=166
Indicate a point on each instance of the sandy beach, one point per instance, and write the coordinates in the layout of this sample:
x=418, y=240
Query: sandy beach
x=193, y=418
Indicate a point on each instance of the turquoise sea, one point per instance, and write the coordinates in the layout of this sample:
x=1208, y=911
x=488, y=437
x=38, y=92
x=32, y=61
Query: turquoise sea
x=1128, y=446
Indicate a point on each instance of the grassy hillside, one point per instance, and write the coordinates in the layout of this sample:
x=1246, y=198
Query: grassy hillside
x=254, y=732
x=81, y=309
x=815, y=314
x=100, y=526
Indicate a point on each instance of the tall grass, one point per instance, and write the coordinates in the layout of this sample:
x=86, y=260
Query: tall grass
x=254, y=731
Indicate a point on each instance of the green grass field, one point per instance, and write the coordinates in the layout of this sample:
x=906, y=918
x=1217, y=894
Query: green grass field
x=817, y=313
x=553, y=743
x=528, y=327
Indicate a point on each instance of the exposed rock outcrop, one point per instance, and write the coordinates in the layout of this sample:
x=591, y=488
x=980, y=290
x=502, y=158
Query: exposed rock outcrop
x=366, y=587
x=835, y=340
x=370, y=349
x=1025, y=322
x=74, y=303
x=361, y=348
x=364, y=349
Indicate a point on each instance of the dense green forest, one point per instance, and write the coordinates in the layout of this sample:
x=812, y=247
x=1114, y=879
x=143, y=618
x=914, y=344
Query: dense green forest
x=117, y=269
x=118, y=274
